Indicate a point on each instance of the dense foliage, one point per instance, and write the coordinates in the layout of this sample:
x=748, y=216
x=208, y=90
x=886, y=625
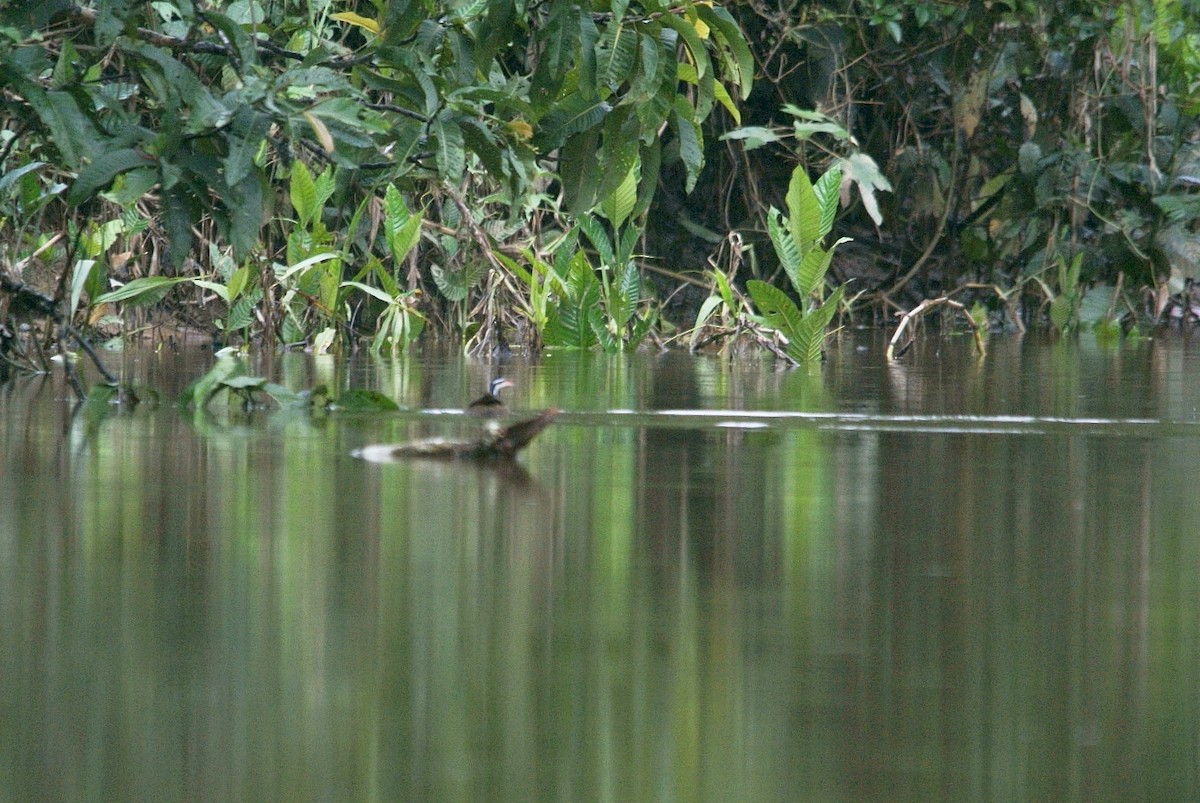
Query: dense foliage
x=305, y=172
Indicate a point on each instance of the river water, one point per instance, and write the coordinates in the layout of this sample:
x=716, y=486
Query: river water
x=948, y=578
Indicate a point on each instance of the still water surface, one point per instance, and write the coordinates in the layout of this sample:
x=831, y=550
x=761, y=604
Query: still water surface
x=946, y=579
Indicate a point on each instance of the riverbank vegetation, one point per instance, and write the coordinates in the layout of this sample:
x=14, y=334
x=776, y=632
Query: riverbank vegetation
x=363, y=174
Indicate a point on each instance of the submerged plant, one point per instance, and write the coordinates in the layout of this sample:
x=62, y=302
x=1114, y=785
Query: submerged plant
x=797, y=240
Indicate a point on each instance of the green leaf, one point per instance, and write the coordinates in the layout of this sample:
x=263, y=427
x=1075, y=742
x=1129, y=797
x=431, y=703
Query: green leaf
x=785, y=246
x=630, y=292
x=83, y=271
x=695, y=45
x=375, y=292
x=244, y=202
x=215, y=287
x=599, y=239
x=579, y=170
x=649, y=159
x=599, y=326
x=101, y=172
x=810, y=279
x=619, y=204
x=146, y=290
x=402, y=227
x=72, y=131
x=648, y=77
x=451, y=152
x=303, y=193
x=1096, y=305
x=828, y=194
x=804, y=211
x=239, y=281
x=241, y=313
x=618, y=51
x=778, y=311
x=573, y=115
x=179, y=86
x=710, y=305
x=177, y=216
x=807, y=341
x=691, y=141
x=739, y=62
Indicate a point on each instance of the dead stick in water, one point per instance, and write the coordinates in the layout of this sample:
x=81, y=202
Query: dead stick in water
x=924, y=307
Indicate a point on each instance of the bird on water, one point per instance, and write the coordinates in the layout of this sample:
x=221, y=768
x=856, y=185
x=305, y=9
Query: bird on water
x=489, y=404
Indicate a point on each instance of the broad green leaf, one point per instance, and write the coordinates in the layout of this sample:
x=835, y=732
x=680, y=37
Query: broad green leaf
x=83, y=271
x=649, y=159
x=648, y=76
x=723, y=98
x=215, y=287
x=244, y=203
x=1097, y=304
x=804, y=211
x=710, y=305
x=180, y=85
x=619, y=151
x=244, y=382
x=599, y=239
x=810, y=280
x=785, y=246
x=178, y=212
x=586, y=65
x=240, y=281
x=573, y=115
x=579, y=171
x=283, y=273
x=695, y=45
x=101, y=172
x=739, y=62
x=1062, y=313
x=450, y=153
x=145, y=290
x=806, y=131
x=303, y=193
x=631, y=293
x=691, y=141
x=403, y=228
x=10, y=179
x=806, y=343
x=235, y=36
x=778, y=310
x=599, y=326
x=828, y=194
x=74, y=134
x=375, y=292
x=618, y=51
x=619, y=204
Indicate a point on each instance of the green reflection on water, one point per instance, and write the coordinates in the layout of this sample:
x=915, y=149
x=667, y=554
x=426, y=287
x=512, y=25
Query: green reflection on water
x=240, y=610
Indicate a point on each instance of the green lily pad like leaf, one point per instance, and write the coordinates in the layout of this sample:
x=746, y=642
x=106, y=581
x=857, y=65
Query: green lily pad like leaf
x=358, y=400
